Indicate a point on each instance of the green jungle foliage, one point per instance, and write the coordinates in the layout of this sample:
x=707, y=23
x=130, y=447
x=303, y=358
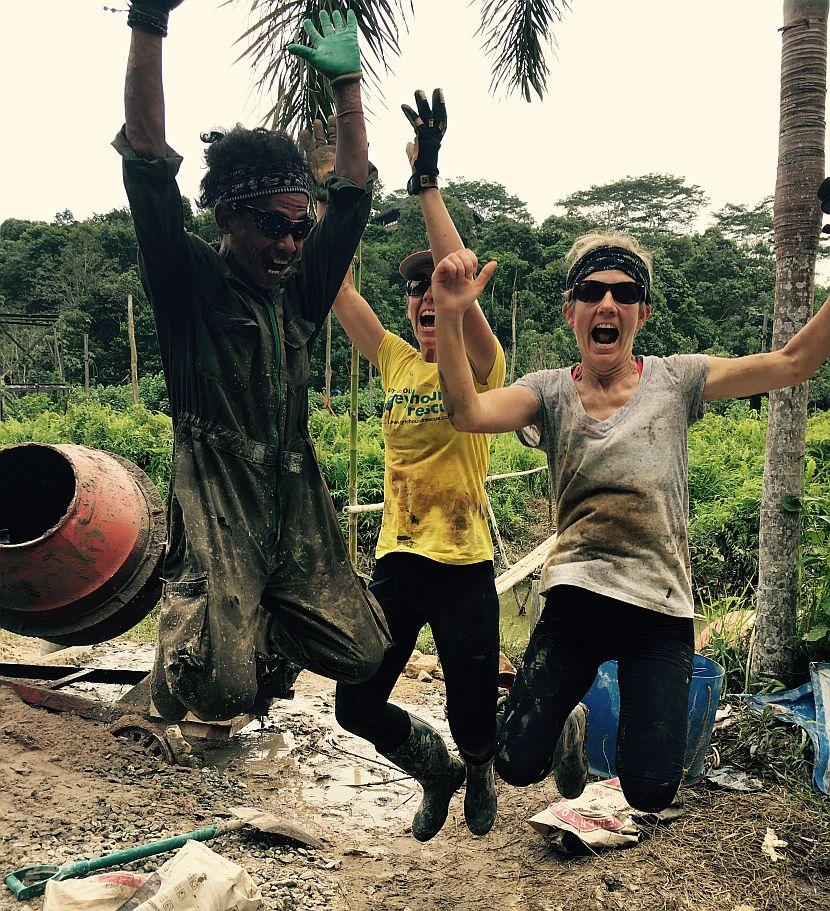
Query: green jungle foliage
x=714, y=292
x=712, y=289
x=726, y=461
x=133, y=431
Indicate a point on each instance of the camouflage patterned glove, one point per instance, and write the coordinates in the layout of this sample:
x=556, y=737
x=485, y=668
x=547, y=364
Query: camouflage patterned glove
x=319, y=150
x=335, y=53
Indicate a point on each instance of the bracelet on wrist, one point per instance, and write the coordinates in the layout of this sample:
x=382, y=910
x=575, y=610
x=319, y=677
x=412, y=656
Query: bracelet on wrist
x=346, y=78
x=419, y=182
x=153, y=22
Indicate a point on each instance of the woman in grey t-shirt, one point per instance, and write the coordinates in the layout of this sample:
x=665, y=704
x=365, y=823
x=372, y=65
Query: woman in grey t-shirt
x=617, y=581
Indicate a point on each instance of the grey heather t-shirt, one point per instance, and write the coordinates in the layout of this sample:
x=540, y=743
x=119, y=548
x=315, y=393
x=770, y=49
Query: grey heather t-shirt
x=621, y=488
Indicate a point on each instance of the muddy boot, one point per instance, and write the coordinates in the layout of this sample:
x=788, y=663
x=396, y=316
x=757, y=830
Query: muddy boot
x=480, y=801
x=570, y=761
x=425, y=757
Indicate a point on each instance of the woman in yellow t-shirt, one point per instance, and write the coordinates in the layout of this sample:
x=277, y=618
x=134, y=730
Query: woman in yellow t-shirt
x=434, y=555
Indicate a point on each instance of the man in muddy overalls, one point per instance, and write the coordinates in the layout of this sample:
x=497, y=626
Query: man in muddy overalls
x=257, y=577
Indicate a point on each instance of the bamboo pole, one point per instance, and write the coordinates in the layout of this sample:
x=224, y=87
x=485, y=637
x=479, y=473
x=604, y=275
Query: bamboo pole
x=496, y=532
x=513, y=300
x=58, y=358
x=353, y=415
x=377, y=507
x=133, y=350
x=521, y=569
x=327, y=389
x=86, y=363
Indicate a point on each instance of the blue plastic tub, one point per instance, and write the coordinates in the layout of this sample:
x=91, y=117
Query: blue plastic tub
x=603, y=701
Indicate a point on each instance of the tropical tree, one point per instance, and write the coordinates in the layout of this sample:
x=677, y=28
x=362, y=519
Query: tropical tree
x=797, y=221
x=646, y=204
x=749, y=226
x=517, y=36
x=489, y=199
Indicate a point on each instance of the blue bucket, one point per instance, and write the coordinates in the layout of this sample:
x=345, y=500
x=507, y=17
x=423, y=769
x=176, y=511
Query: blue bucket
x=603, y=701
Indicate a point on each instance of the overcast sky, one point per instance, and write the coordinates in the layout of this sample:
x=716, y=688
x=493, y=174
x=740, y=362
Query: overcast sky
x=636, y=86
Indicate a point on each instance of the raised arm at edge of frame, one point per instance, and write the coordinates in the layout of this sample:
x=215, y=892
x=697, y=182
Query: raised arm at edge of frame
x=144, y=95
x=791, y=365
x=359, y=320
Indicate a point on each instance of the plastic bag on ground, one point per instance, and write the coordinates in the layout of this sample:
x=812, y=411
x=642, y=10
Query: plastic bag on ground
x=600, y=817
x=194, y=879
x=104, y=892
x=809, y=707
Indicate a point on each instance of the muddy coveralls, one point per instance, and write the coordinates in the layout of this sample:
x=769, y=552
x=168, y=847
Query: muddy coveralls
x=256, y=569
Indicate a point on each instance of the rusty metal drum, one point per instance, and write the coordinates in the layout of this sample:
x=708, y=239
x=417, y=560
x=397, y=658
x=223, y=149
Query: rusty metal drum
x=82, y=535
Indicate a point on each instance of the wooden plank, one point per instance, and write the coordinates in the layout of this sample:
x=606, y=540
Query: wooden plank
x=524, y=567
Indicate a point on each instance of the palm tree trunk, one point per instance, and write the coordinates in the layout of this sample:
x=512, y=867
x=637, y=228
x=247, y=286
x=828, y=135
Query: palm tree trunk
x=797, y=223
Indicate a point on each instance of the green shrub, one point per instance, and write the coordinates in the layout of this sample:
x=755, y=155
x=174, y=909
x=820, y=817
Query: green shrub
x=726, y=467
x=135, y=433
x=728, y=646
x=726, y=464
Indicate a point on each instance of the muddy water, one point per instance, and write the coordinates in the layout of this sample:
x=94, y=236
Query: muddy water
x=337, y=775
x=300, y=748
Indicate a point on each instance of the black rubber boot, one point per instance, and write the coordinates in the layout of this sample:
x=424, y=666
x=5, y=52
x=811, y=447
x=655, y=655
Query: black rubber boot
x=480, y=801
x=166, y=704
x=425, y=757
x=570, y=761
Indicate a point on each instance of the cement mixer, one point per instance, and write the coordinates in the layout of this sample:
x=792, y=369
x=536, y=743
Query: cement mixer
x=82, y=535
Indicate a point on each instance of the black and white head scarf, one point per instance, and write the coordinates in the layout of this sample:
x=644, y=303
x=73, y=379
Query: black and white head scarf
x=248, y=183
x=608, y=257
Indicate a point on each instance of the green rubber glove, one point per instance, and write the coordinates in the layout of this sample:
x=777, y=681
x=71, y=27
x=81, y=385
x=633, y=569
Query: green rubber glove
x=335, y=53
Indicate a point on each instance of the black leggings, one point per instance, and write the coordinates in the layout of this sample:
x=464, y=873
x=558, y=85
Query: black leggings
x=577, y=632
x=462, y=608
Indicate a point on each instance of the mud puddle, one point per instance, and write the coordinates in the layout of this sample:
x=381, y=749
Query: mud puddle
x=299, y=746
x=335, y=773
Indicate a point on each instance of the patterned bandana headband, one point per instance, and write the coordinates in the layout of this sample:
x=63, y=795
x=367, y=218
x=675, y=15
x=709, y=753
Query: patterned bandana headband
x=606, y=257
x=245, y=183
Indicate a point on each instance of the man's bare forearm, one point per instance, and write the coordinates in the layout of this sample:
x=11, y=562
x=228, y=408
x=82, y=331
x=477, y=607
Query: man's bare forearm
x=144, y=96
x=352, y=161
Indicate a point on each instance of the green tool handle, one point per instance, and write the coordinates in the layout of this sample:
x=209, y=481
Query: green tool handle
x=82, y=867
x=31, y=881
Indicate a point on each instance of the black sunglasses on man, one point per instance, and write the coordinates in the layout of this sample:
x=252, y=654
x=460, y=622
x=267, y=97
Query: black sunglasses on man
x=276, y=225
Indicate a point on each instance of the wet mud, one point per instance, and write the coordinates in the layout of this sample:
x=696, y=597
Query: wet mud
x=70, y=790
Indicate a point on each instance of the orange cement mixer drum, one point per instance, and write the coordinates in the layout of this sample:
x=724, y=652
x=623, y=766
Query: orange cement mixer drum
x=81, y=540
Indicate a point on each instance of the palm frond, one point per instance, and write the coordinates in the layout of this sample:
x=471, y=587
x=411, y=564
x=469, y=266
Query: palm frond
x=517, y=33
x=299, y=93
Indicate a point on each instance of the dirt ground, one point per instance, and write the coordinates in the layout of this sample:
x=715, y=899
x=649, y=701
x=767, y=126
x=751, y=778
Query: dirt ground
x=70, y=790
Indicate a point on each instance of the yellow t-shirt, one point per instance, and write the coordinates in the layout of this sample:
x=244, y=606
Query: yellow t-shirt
x=433, y=482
